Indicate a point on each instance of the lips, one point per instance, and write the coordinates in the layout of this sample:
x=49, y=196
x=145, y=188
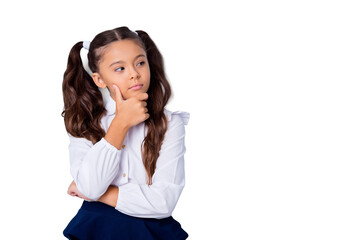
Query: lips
x=136, y=86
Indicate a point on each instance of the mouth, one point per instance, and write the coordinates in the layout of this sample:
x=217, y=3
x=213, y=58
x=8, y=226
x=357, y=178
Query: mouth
x=136, y=87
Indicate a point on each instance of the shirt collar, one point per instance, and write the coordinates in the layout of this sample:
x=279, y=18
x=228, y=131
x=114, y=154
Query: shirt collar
x=110, y=105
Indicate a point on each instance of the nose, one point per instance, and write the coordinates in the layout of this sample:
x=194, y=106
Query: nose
x=134, y=74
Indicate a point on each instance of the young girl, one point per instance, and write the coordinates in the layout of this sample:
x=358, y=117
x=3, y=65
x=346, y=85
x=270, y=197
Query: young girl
x=127, y=153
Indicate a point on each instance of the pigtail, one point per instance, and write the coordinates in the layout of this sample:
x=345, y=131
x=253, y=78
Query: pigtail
x=159, y=92
x=83, y=102
x=157, y=69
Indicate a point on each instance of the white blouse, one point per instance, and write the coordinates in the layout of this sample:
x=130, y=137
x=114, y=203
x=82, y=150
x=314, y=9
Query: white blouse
x=96, y=166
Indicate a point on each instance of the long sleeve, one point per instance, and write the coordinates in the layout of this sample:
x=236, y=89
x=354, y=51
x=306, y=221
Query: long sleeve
x=159, y=199
x=93, y=166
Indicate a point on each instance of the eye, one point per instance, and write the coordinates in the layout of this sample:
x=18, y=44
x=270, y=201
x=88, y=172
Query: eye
x=141, y=63
x=118, y=68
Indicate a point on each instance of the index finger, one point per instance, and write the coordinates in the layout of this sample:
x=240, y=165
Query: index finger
x=142, y=96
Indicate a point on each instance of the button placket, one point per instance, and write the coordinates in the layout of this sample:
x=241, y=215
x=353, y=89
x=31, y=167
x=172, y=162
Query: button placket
x=124, y=165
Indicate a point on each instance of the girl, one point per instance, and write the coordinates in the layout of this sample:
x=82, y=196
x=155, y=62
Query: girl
x=127, y=153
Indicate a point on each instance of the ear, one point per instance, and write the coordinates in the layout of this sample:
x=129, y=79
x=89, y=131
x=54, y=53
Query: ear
x=98, y=81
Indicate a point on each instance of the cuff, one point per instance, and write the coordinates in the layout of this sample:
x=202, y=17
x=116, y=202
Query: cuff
x=109, y=145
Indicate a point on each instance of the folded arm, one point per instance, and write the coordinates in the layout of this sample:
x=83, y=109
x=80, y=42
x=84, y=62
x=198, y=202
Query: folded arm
x=159, y=199
x=93, y=167
x=109, y=197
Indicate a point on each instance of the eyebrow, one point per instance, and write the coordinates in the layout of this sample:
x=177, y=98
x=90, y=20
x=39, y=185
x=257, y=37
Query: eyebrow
x=120, y=61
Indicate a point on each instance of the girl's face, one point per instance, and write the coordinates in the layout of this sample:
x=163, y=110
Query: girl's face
x=125, y=64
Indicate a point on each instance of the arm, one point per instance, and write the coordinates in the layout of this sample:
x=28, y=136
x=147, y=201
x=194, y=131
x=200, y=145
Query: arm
x=109, y=197
x=94, y=167
x=164, y=193
x=159, y=199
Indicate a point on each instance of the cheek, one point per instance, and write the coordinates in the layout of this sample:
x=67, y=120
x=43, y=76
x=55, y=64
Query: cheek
x=121, y=87
x=147, y=74
x=125, y=91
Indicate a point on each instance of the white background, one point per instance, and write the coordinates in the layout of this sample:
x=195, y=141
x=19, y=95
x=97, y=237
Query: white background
x=272, y=88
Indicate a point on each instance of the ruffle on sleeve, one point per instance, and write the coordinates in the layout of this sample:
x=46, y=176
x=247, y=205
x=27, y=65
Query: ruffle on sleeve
x=185, y=116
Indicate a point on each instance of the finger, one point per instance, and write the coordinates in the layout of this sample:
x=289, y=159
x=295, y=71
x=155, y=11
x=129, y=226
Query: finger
x=142, y=96
x=118, y=96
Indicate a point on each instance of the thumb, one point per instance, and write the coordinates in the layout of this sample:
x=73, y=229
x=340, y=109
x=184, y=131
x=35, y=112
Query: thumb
x=118, y=95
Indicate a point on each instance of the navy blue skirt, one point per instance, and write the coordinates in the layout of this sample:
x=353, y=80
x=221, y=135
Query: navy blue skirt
x=99, y=221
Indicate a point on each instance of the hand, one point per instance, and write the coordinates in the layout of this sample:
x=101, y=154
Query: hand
x=131, y=111
x=73, y=191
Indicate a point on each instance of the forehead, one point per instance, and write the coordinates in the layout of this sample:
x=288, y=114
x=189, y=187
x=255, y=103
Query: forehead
x=124, y=50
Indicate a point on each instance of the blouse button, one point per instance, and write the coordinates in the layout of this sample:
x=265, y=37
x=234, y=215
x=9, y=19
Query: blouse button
x=124, y=175
x=123, y=146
